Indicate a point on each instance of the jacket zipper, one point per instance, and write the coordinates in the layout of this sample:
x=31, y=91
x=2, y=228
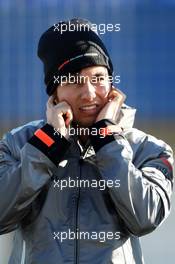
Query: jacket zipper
x=76, y=222
x=82, y=156
x=23, y=252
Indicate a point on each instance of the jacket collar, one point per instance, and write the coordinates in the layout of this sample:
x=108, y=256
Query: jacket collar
x=125, y=120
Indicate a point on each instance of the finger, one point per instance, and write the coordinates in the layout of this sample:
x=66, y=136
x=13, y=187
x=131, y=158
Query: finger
x=119, y=93
x=116, y=93
x=50, y=102
x=62, y=104
x=63, y=108
x=66, y=113
x=69, y=117
x=115, y=106
x=112, y=108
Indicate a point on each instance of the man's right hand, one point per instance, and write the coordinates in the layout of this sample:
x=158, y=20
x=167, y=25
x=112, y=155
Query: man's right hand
x=59, y=116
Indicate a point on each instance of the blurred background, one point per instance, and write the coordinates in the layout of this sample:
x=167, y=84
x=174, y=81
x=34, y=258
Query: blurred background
x=143, y=54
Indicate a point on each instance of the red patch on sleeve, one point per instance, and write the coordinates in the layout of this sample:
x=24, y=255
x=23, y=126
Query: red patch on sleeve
x=44, y=137
x=167, y=163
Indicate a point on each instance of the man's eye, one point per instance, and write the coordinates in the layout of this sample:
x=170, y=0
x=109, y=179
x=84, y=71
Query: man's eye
x=100, y=79
x=75, y=80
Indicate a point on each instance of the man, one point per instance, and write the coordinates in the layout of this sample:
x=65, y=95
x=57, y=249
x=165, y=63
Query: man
x=84, y=185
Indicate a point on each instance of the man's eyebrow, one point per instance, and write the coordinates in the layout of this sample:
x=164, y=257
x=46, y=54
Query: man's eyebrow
x=99, y=74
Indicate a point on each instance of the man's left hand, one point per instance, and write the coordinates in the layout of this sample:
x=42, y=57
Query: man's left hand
x=112, y=108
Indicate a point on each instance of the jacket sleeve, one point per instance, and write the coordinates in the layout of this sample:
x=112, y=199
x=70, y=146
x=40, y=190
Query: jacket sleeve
x=145, y=175
x=22, y=179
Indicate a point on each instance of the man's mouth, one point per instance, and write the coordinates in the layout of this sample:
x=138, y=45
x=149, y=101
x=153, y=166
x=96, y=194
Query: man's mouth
x=88, y=107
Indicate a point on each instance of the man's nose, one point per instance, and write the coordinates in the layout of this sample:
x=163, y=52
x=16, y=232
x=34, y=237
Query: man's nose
x=88, y=91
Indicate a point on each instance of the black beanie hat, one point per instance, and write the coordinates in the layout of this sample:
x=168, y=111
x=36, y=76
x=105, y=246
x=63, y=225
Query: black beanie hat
x=68, y=47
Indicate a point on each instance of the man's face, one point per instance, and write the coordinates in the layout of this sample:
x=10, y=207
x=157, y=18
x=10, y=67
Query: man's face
x=86, y=95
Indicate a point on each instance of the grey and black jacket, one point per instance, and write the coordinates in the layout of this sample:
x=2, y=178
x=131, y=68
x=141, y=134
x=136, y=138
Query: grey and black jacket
x=82, y=224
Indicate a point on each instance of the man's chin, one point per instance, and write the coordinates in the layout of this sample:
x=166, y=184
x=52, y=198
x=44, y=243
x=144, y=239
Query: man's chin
x=83, y=123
